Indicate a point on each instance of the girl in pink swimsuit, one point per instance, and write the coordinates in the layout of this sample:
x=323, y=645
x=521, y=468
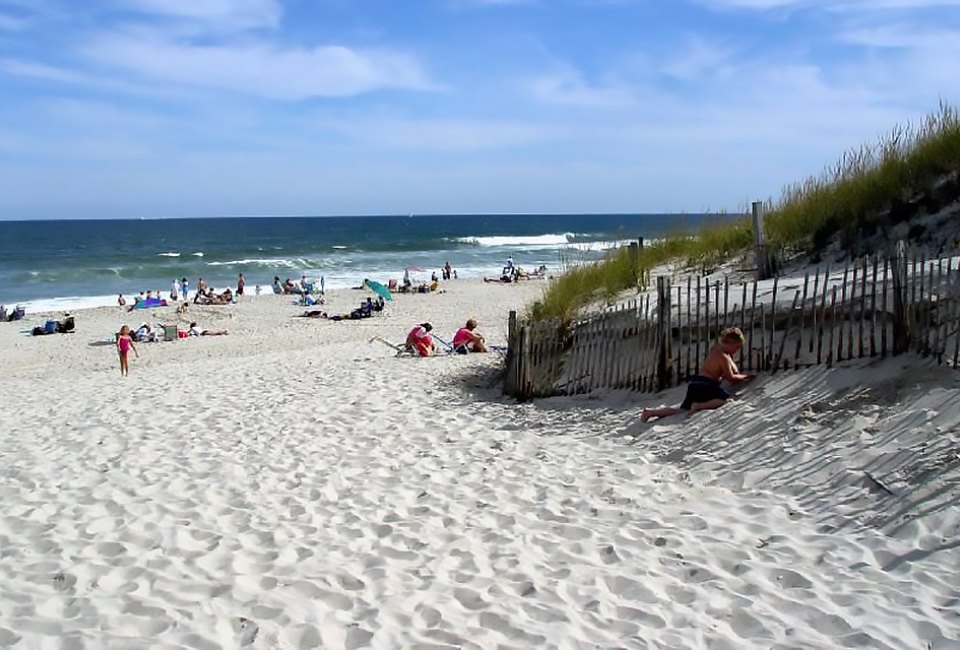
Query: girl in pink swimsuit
x=124, y=345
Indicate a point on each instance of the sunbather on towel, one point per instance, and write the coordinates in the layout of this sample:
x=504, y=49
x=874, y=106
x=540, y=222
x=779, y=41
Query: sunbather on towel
x=420, y=341
x=199, y=331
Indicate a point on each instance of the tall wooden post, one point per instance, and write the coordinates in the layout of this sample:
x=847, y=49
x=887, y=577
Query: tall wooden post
x=510, y=380
x=901, y=320
x=764, y=267
x=664, y=335
x=635, y=263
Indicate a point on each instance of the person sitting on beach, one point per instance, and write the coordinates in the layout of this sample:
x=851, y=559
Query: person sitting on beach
x=195, y=330
x=145, y=333
x=277, y=287
x=420, y=342
x=703, y=390
x=467, y=339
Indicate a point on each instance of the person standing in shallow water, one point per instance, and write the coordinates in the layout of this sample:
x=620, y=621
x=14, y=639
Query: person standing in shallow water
x=703, y=391
x=240, y=285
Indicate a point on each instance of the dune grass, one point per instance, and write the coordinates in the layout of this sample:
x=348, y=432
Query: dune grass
x=852, y=199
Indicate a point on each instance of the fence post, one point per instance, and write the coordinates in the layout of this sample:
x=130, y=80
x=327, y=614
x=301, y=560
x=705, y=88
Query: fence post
x=764, y=269
x=635, y=263
x=664, y=335
x=510, y=383
x=901, y=320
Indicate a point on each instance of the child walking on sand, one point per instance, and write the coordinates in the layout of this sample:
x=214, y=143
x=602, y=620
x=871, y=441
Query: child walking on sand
x=124, y=345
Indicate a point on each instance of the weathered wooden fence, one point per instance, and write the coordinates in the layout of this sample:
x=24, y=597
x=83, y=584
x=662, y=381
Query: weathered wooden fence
x=907, y=301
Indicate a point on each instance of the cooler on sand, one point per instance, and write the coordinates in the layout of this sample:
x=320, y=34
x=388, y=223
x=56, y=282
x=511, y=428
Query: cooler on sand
x=170, y=332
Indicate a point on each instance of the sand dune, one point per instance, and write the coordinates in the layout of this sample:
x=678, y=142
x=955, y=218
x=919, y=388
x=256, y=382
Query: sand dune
x=293, y=486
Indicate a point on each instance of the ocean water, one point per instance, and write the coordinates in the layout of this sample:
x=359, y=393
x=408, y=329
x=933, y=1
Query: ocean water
x=51, y=265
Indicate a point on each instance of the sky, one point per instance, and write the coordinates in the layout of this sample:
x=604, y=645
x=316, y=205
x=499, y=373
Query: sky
x=197, y=108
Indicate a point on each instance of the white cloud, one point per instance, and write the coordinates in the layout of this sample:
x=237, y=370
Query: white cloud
x=260, y=69
x=11, y=23
x=218, y=14
x=450, y=135
x=568, y=88
x=42, y=71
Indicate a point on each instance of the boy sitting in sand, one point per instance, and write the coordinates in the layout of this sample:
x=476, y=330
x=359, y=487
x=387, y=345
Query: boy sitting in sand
x=703, y=391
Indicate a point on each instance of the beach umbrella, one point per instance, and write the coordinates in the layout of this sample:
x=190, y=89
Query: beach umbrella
x=378, y=289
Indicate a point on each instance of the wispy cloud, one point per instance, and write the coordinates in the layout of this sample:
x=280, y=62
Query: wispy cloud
x=568, y=88
x=261, y=69
x=216, y=14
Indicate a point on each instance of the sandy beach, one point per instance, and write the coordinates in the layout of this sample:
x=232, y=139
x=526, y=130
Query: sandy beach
x=293, y=485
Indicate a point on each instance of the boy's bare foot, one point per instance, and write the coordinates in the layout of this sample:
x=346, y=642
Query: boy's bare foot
x=645, y=415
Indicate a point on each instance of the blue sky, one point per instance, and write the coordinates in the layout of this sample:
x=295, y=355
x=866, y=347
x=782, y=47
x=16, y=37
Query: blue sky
x=151, y=108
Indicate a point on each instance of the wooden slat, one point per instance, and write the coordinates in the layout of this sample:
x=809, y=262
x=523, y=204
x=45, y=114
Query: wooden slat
x=833, y=324
x=679, y=326
x=813, y=312
x=786, y=332
x=803, y=311
x=883, y=310
x=753, y=322
x=716, y=310
x=699, y=323
x=768, y=354
x=822, y=314
x=761, y=354
x=743, y=319
x=873, y=308
x=863, y=308
x=726, y=300
x=851, y=330
x=686, y=367
x=843, y=300
x=928, y=335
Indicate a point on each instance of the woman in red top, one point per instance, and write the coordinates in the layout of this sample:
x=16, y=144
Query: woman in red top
x=420, y=341
x=468, y=340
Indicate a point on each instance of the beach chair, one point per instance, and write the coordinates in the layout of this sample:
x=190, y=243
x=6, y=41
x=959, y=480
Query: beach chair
x=444, y=345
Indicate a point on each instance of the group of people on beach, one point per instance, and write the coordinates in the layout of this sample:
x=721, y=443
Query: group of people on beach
x=420, y=340
x=127, y=338
x=180, y=292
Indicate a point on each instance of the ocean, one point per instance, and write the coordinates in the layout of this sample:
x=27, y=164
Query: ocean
x=70, y=264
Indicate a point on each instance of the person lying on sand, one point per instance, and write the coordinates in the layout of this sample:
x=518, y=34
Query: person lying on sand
x=199, y=331
x=703, y=391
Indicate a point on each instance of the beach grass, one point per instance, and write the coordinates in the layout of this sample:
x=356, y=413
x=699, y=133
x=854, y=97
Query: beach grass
x=849, y=200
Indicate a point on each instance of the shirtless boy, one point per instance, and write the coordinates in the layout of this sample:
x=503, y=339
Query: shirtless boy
x=704, y=392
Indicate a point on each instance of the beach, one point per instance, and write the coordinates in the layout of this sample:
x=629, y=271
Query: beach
x=295, y=485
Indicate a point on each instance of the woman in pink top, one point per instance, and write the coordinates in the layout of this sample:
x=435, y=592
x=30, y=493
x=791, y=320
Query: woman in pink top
x=124, y=345
x=420, y=341
x=468, y=340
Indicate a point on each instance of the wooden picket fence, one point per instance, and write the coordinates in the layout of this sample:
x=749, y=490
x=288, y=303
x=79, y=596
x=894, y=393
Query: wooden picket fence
x=906, y=301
